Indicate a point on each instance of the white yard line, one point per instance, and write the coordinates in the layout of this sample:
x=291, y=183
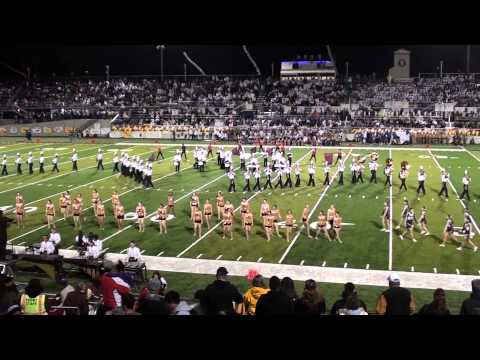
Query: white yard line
x=221, y=222
x=472, y=154
x=177, y=200
x=455, y=191
x=297, y=235
x=390, y=226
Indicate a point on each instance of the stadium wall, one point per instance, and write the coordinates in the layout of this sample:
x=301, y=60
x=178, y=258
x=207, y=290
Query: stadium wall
x=47, y=128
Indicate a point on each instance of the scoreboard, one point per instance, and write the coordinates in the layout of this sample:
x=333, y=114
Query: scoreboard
x=320, y=69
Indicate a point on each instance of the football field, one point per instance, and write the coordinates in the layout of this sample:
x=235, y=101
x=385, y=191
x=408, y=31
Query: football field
x=364, y=245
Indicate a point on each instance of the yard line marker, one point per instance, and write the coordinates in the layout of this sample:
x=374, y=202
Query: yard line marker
x=458, y=271
x=238, y=259
x=260, y=259
x=367, y=267
x=456, y=193
x=52, y=184
x=435, y=270
x=23, y=242
x=363, y=196
x=412, y=269
x=160, y=253
x=141, y=252
x=336, y=195
x=297, y=235
x=349, y=196
x=390, y=227
x=302, y=262
x=345, y=265
x=376, y=197
x=123, y=251
x=324, y=263
x=199, y=256
x=221, y=222
x=296, y=194
x=68, y=248
x=219, y=257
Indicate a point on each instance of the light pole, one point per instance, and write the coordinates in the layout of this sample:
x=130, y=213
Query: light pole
x=468, y=58
x=161, y=48
x=441, y=68
x=107, y=72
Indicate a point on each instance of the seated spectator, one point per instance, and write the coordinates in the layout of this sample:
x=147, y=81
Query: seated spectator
x=32, y=301
x=221, y=294
x=128, y=303
x=200, y=308
x=275, y=302
x=437, y=307
x=156, y=287
x=66, y=289
x=311, y=302
x=339, y=305
x=176, y=306
x=250, y=298
x=78, y=298
x=9, y=294
x=288, y=287
x=353, y=306
x=471, y=306
x=396, y=300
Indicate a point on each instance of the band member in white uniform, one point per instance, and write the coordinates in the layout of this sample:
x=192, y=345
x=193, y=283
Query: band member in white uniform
x=403, y=177
x=298, y=171
x=247, y=175
x=18, y=162
x=444, y=178
x=257, y=176
x=373, y=166
x=311, y=174
x=341, y=170
x=231, y=177
x=326, y=173
x=421, y=181
x=115, y=162
x=268, y=174
x=466, y=182
x=74, y=160
x=41, y=162
x=4, y=165
x=177, y=159
x=55, y=163
x=100, y=160
x=30, y=163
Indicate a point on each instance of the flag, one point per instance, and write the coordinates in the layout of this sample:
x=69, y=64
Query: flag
x=328, y=158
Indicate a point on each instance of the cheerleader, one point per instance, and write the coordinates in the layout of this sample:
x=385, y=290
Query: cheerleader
x=50, y=214
x=468, y=236
x=337, y=226
x=448, y=232
x=95, y=197
x=120, y=211
x=410, y=221
x=194, y=204
x=141, y=212
x=100, y=212
x=208, y=212
x=115, y=201
x=19, y=210
x=228, y=223
x=386, y=217
x=268, y=222
x=220, y=205
x=305, y=214
x=247, y=223
x=322, y=226
x=63, y=205
x=423, y=222
x=289, y=220
x=76, y=211
x=162, y=219
x=275, y=211
x=197, y=222
x=171, y=203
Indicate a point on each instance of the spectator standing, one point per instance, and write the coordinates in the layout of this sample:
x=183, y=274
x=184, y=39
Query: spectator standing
x=32, y=301
x=311, y=302
x=396, y=300
x=438, y=306
x=221, y=294
x=275, y=302
x=348, y=290
x=67, y=289
x=176, y=306
x=9, y=294
x=250, y=298
x=288, y=287
x=471, y=306
x=200, y=308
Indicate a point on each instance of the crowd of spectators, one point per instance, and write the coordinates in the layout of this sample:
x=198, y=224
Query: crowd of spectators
x=220, y=297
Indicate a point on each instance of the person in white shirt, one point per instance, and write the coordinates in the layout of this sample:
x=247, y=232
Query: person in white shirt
x=74, y=160
x=55, y=239
x=298, y=171
x=268, y=174
x=176, y=161
x=4, y=165
x=100, y=160
x=202, y=160
x=444, y=179
x=148, y=176
x=353, y=169
x=466, y=182
x=421, y=181
x=221, y=156
x=41, y=162
x=242, y=160
x=388, y=175
x=19, y=162
x=257, y=176
x=341, y=169
x=287, y=171
x=55, y=163
x=247, y=175
x=311, y=174
x=231, y=177
x=46, y=247
x=133, y=253
x=326, y=174
x=30, y=163
x=115, y=162
x=373, y=166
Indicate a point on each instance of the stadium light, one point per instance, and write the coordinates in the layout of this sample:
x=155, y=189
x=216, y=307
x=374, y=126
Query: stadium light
x=161, y=48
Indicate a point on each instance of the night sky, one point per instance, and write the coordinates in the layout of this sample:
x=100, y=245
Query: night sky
x=221, y=59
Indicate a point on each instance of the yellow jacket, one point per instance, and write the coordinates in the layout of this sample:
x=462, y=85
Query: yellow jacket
x=250, y=299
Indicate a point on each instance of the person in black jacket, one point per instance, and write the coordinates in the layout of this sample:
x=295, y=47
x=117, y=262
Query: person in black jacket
x=437, y=307
x=9, y=294
x=471, y=306
x=348, y=290
x=396, y=300
x=275, y=302
x=4, y=222
x=312, y=302
x=288, y=287
x=220, y=295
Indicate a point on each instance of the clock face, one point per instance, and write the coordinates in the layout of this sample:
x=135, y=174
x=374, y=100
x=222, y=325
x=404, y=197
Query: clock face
x=402, y=62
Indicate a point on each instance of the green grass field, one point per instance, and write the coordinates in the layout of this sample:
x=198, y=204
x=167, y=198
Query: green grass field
x=364, y=245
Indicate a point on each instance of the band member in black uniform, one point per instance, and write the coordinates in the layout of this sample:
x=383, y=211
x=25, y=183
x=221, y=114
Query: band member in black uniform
x=159, y=153
x=19, y=161
x=360, y=169
x=298, y=171
x=184, y=151
x=4, y=165
x=326, y=174
x=339, y=156
x=257, y=176
x=280, y=179
x=403, y=177
x=30, y=163
x=311, y=174
x=268, y=174
x=421, y=181
x=466, y=182
x=231, y=177
x=444, y=178
x=100, y=160
x=247, y=181
x=288, y=182
x=341, y=169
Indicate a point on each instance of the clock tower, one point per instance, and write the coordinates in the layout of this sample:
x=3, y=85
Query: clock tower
x=401, y=65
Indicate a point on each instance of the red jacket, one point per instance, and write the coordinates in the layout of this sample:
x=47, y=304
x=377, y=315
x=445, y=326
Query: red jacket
x=112, y=288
